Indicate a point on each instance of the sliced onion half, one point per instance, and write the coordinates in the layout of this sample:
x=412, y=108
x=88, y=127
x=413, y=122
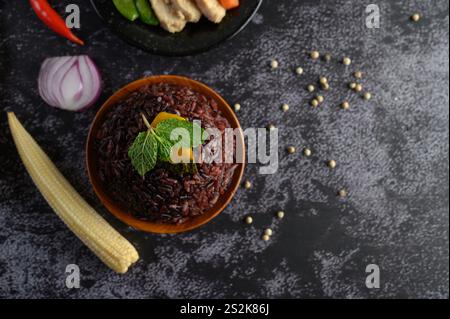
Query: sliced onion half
x=69, y=83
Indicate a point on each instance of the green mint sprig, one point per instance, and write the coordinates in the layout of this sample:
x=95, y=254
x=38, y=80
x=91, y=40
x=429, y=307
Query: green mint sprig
x=157, y=143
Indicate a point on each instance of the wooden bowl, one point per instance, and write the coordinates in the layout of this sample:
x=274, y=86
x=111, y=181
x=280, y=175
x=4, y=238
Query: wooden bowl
x=123, y=213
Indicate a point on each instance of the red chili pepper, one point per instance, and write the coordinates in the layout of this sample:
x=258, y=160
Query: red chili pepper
x=53, y=20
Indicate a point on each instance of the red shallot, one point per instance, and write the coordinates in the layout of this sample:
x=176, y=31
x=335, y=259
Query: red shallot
x=70, y=83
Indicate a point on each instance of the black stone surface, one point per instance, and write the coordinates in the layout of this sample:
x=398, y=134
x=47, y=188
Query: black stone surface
x=392, y=155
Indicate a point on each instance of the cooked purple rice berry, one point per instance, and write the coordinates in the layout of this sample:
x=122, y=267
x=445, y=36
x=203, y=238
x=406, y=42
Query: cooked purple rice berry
x=164, y=195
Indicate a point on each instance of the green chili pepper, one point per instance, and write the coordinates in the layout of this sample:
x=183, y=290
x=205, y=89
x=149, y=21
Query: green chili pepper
x=146, y=13
x=127, y=8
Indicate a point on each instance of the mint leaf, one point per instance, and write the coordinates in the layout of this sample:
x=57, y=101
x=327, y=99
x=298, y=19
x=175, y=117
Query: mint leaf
x=164, y=149
x=165, y=129
x=156, y=144
x=144, y=152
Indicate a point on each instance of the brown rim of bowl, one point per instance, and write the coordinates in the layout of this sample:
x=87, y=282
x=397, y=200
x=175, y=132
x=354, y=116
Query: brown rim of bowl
x=121, y=212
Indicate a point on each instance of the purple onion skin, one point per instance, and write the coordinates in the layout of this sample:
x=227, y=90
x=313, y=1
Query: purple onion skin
x=47, y=89
x=99, y=91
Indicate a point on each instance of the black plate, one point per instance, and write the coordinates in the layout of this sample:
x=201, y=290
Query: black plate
x=195, y=38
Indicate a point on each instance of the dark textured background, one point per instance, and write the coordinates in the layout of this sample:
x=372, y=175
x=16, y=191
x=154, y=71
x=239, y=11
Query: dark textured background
x=392, y=155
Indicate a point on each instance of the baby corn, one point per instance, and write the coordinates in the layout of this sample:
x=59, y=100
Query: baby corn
x=110, y=246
